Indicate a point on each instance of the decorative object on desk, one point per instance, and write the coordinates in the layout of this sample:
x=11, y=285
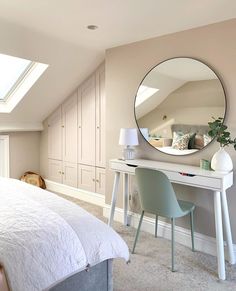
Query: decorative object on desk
x=205, y=164
x=128, y=138
x=221, y=160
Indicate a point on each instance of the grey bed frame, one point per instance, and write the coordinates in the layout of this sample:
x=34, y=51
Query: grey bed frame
x=97, y=278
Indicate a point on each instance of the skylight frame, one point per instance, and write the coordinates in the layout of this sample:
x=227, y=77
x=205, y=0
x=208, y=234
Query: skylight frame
x=23, y=84
x=18, y=83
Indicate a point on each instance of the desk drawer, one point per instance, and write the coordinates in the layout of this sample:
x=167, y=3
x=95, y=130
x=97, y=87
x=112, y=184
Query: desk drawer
x=196, y=181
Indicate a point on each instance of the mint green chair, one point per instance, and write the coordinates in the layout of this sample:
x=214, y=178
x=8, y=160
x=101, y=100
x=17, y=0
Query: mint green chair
x=157, y=196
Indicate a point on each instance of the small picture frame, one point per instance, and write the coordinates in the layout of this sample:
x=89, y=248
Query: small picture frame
x=205, y=164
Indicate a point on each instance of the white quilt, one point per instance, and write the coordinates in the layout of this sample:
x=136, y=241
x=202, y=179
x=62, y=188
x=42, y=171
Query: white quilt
x=44, y=238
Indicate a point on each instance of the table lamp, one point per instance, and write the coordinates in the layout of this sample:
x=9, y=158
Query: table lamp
x=128, y=138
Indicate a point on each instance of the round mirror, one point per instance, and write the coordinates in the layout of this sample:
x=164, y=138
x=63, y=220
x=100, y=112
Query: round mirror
x=174, y=103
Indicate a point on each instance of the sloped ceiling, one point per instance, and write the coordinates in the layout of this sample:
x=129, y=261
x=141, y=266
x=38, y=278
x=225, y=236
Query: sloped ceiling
x=54, y=32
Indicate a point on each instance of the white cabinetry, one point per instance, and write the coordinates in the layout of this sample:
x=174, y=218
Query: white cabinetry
x=100, y=117
x=62, y=143
x=76, y=137
x=91, y=178
x=55, y=135
x=86, y=124
x=69, y=129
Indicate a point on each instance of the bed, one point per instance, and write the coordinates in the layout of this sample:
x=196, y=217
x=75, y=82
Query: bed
x=199, y=134
x=49, y=243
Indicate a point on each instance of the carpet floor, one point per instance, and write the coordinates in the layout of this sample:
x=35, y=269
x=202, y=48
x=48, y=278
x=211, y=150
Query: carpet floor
x=150, y=267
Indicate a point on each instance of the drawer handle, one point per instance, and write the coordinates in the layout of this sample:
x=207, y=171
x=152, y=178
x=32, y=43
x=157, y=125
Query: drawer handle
x=130, y=165
x=187, y=174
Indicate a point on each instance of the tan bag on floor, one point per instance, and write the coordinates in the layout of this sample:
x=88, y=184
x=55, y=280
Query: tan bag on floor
x=3, y=280
x=34, y=179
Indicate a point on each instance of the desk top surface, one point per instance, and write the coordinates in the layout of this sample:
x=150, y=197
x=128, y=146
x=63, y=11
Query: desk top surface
x=188, y=169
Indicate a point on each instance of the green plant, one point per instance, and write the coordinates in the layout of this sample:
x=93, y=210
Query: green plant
x=219, y=131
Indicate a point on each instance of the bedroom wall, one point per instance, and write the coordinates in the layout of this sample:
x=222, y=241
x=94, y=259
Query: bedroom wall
x=125, y=67
x=24, y=152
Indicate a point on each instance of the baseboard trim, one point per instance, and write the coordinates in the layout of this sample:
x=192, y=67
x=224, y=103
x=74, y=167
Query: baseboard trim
x=91, y=197
x=203, y=243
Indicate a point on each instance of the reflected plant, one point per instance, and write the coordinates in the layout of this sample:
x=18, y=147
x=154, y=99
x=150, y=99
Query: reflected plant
x=219, y=131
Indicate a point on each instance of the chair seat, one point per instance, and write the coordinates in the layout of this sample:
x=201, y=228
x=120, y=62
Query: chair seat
x=186, y=206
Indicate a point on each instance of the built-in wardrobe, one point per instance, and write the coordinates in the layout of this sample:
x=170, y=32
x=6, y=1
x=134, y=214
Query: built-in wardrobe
x=76, y=137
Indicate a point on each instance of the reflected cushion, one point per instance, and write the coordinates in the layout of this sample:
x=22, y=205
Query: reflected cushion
x=180, y=141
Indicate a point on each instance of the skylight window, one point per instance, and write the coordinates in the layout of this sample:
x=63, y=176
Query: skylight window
x=144, y=92
x=17, y=76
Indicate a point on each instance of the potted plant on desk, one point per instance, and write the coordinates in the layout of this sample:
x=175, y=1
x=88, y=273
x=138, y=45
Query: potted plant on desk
x=221, y=160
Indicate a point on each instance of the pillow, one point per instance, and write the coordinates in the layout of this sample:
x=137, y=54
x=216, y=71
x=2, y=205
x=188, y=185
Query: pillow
x=206, y=139
x=180, y=142
x=198, y=142
x=191, y=141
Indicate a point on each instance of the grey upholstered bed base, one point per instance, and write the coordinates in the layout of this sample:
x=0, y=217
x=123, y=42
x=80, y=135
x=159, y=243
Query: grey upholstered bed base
x=98, y=278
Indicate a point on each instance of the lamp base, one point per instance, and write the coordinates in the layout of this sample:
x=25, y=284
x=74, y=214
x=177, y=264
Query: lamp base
x=128, y=153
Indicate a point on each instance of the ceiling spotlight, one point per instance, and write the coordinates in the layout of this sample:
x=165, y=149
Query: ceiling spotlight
x=92, y=27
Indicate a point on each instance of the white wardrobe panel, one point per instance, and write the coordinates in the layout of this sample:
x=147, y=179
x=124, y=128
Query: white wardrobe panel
x=100, y=117
x=69, y=125
x=86, y=177
x=69, y=174
x=100, y=180
x=55, y=170
x=86, y=122
x=55, y=135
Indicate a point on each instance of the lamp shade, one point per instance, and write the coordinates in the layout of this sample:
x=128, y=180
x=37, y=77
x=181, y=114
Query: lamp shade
x=128, y=137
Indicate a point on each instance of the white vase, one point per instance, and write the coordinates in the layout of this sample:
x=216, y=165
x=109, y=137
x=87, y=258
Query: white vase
x=221, y=161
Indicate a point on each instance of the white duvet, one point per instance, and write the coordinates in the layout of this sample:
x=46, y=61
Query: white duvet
x=45, y=238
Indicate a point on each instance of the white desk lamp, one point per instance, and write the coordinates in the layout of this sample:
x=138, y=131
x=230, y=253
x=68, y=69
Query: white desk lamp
x=128, y=138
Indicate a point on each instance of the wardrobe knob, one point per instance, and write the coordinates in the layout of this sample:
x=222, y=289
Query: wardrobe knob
x=97, y=181
x=93, y=180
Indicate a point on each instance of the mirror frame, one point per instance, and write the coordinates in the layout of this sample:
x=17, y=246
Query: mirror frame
x=225, y=97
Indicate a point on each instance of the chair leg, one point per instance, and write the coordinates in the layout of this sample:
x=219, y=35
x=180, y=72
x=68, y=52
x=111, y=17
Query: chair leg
x=192, y=230
x=172, y=244
x=156, y=225
x=138, y=230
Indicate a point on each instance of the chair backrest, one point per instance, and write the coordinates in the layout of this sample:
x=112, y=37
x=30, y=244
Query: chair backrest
x=156, y=193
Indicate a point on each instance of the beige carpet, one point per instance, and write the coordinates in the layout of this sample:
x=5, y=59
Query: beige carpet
x=149, y=269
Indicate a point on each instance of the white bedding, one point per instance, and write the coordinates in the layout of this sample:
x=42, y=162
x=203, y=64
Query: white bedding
x=172, y=151
x=44, y=238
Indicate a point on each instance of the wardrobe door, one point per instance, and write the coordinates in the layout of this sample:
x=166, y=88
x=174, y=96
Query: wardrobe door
x=69, y=174
x=69, y=125
x=55, y=135
x=55, y=170
x=86, y=177
x=86, y=122
x=100, y=117
x=100, y=180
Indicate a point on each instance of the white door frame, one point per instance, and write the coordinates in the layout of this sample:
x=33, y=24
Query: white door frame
x=5, y=139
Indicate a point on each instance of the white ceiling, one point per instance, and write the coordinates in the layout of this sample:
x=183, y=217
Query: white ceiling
x=54, y=32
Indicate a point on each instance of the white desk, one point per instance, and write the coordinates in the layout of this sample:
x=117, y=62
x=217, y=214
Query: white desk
x=186, y=175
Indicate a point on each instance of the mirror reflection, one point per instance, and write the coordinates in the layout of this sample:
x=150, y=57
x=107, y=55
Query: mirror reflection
x=174, y=104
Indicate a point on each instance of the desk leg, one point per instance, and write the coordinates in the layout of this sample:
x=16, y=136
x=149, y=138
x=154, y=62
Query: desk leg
x=114, y=195
x=227, y=227
x=126, y=197
x=219, y=235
